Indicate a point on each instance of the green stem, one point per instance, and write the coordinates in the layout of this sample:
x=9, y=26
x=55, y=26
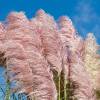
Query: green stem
x=65, y=94
x=59, y=87
x=7, y=96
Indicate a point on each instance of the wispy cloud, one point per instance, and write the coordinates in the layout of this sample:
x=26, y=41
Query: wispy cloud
x=86, y=19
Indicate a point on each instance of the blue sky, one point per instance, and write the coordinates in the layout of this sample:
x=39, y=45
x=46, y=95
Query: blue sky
x=84, y=13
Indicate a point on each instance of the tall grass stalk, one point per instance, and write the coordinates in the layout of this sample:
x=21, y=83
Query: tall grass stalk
x=7, y=94
x=59, y=79
x=65, y=94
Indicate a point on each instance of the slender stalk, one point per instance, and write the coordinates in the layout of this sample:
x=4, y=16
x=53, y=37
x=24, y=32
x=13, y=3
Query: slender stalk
x=59, y=79
x=65, y=94
x=7, y=96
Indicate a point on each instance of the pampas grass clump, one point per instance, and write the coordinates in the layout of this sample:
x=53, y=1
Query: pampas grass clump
x=48, y=60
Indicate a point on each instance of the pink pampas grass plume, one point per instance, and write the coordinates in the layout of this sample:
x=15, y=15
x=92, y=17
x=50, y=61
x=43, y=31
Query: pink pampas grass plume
x=76, y=69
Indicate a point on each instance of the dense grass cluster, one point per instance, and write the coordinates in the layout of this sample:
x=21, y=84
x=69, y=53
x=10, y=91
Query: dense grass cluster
x=46, y=59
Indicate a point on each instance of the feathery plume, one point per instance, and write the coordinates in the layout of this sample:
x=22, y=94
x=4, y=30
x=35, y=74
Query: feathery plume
x=76, y=70
x=50, y=39
x=91, y=58
x=33, y=73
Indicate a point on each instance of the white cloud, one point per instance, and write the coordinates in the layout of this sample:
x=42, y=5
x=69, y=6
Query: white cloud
x=86, y=19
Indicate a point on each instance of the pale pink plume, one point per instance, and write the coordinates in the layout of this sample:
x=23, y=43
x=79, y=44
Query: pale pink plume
x=47, y=29
x=92, y=59
x=76, y=71
x=24, y=53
